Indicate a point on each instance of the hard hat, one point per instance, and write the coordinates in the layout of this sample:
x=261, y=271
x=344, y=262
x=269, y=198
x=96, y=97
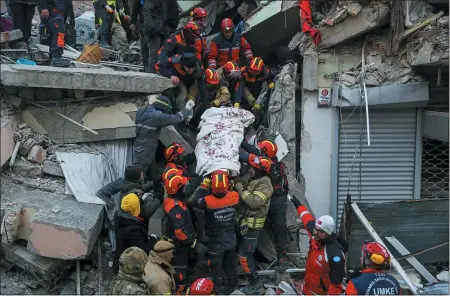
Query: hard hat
x=170, y=172
x=268, y=147
x=325, y=223
x=132, y=261
x=219, y=183
x=174, y=184
x=211, y=77
x=198, y=12
x=266, y=163
x=227, y=24
x=162, y=103
x=173, y=151
x=193, y=28
x=376, y=254
x=256, y=65
x=202, y=286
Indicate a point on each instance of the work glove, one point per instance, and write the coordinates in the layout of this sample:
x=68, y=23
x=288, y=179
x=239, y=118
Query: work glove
x=272, y=85
x=147, y=195
x=238, y=185
x=243, y=157
x=256, y=107
x=186, y=112
x=122, y=14
x=194, y=244
x=216, y=103
x=236, y=105
x=206, y=183
x=109, y=9
x=190, y=104
x=295, y=201
x=243, y=228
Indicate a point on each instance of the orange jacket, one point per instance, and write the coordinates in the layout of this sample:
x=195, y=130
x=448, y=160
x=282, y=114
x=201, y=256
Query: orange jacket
x=222, y=50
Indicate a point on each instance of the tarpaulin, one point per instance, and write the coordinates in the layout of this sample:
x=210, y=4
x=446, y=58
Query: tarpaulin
x=221, y=134
x=306, y=19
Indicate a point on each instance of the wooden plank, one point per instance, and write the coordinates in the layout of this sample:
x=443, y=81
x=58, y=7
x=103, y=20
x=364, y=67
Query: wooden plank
x=422, y=25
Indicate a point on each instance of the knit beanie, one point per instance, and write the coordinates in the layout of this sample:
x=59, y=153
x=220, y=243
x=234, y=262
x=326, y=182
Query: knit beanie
x=164, y=249
x=189, y=60
x=131, y=204
x=133, y=174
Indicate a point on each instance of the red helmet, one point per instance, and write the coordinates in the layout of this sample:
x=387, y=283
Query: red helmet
x=211, y=77
x=227, y=24
x=169, y=172
x=268, y=147
x=192, y=28
x=174, y=184
x=219, y=183
x=256, y=65
x=260, y=162
x=173, y=151
x=202, y=286
x=376, y=254
x=198, y=12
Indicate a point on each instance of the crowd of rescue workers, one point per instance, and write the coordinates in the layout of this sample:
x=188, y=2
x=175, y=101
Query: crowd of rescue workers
x=235, y=208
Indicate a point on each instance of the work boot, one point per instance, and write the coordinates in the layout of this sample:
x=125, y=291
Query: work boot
x=59, y=62
x=253, y=288
x=282, y=263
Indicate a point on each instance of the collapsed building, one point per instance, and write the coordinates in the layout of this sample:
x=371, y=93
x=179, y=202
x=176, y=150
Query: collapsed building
x=369, y=105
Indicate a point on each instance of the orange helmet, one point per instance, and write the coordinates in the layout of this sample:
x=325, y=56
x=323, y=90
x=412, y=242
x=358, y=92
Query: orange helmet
x=174, y=184
x=173, y=151
x=268, y=147
x=266, y=163
x=227, y=24
x=169, y=172
x=193, y=28
x=198, y=12
x=255, y=66
x=219, y=183
x=261, y=162
x=376, y=254
x=232, y=69
x=211, y=77
x=202, y=286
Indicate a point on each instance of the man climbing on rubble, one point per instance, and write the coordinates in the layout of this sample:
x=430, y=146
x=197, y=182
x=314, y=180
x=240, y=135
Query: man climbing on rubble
x=188, y=77
x=53, y=16
x=131, y=230
x=180, y=42
x=227, y=46
x=159, y=272
x=199, y=15
x=278, y=202
x=255, y=190
x=149, y=121
x=372, y=279
x=250, y=85
x=157, y=19
x=220, y=203
x=180, y=228
x=325, y=268
x=129, y=279
x=107, y=19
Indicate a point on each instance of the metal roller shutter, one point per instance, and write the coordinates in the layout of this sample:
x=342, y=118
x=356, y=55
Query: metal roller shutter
x=387, y=165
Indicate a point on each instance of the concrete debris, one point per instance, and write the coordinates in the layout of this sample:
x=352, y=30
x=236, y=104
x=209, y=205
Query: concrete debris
x=9, y=36
x=10, y=223
x=27, y=169
x=37, y=154
x=416, y=12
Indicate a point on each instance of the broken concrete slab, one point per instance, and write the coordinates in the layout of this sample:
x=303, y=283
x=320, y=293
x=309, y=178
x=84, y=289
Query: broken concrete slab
x=52, y=168
x=37, y=154
x=27, y=169
x=170, y=134
x=369, y=18
x=10, y=222
x=80, y=78
x=68, y=234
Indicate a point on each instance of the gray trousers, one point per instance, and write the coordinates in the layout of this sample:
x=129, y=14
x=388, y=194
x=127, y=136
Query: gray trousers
x=149, y=51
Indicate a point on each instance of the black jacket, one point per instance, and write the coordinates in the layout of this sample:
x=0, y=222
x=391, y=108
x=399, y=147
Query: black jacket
x=157, y=17
x=130, y=232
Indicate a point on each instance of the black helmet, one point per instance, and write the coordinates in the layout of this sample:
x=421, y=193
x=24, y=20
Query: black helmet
x=162, y=103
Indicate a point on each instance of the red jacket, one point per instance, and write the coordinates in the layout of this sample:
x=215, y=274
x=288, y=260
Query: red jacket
x=222, y=50
x=325, y=268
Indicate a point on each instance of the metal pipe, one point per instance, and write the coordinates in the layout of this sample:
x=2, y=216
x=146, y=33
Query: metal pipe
x=365, y=93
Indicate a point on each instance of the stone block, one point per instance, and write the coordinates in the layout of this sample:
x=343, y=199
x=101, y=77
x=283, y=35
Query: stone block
x=83, y=78
x=68, y=234
x=27, y=169
x=37, y=154
x=10, y=222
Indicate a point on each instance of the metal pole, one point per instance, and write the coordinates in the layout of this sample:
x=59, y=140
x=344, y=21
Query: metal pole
x=365, y=93
x=378, y=239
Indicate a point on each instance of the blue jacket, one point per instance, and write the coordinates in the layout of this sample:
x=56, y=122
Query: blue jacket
x=373, y=282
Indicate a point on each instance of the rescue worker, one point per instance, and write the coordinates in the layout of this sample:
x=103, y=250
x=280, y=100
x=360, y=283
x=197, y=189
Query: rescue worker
x=180, y=42
x=256, y=196
x=325, y=268
x=199, y=15
x=220, y=204
x=175, y=159
x=131, y=231
x=180, y=228
x=149, y=121
x=53, y=17
x=227, y=46
x=250, y=85
x=129, y=279
x=216, y=93
x=229, y=75
x=159, y=273
x=188, y=77
x=372, y=278
x=157, y=19
x=278, y=202
x=201, y=286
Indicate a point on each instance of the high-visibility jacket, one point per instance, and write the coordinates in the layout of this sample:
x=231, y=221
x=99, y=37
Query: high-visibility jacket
x=249, y=86
x=179, y=222
x=325, y=268
x=371, y=281
x=222, y=50
x=176, y=45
